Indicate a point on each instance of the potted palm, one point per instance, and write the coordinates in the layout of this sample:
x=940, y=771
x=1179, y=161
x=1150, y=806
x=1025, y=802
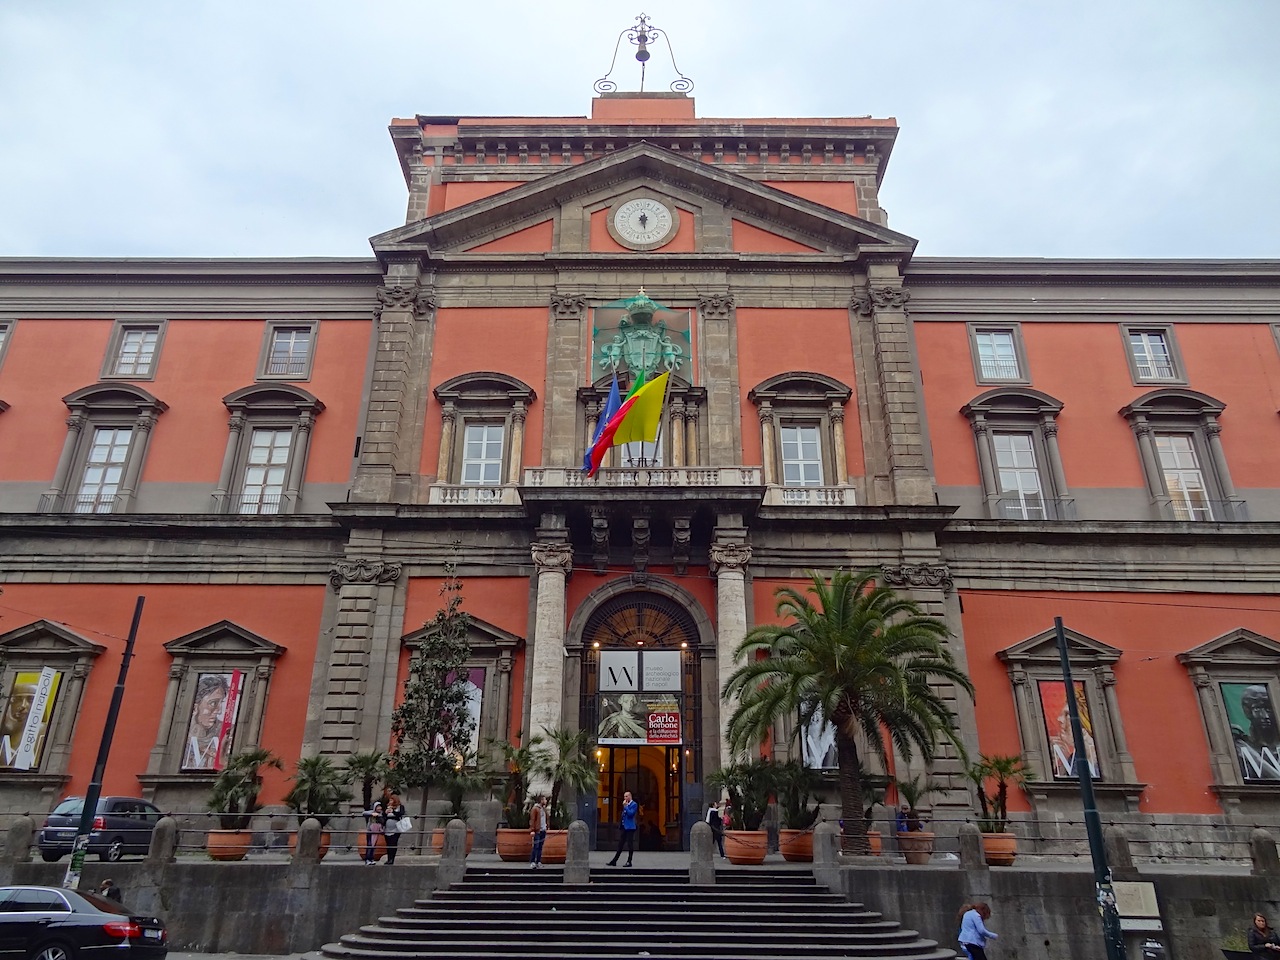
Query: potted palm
x=999, y=846
x=873, y=796
x=870, y=660
x=319, y=790
x=566, y=762
x=234, y=799
x=796, y=784
x=466, y=776
x=915, y=842
x=369, y=768
x=513, y=840
x=749, y=785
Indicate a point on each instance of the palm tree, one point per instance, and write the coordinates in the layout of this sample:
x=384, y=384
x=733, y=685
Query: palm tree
x=567, y=762
x=368, y=767
x=857, y=654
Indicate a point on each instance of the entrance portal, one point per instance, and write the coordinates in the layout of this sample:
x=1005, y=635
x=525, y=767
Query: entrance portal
x=653, y=776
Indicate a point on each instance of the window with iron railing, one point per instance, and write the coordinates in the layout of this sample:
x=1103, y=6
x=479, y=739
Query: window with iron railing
x=265, y=470
x=135, y=352
x=801, y=455
x=289, y=352
x=1152, y=355
x=103, y=470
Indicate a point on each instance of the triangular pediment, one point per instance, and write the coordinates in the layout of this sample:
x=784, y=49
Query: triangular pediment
x=481, y=634
x=1042, y=649
x=686, y=182
x=223, y=639
x=1240, y=647
x=46, y=639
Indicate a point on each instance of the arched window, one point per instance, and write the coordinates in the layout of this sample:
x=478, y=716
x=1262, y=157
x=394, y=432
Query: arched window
x=678, y=443
x=1182, y=457
x=108, y=432
x=1016, y=433
x=266, y=457
x=481, y=437
x=802, y=436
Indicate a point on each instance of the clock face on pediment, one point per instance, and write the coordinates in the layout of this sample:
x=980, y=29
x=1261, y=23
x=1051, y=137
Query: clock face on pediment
x=643, y=223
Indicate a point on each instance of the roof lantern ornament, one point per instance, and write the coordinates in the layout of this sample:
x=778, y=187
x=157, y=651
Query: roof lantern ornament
x=641, y=36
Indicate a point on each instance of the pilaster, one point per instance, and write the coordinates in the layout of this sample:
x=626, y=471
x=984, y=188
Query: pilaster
x=553, y=558
x=730, y=555
x=718, y=359
x=568, y=343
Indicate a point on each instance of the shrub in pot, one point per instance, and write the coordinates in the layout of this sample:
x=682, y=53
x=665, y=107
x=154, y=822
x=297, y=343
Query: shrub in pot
x=319, y=790
x=513, y=840
x=749, y=785
x=567, y=762
x=999, y=846
x=467, y=776
x=915, y=842
x=795, y=785
x=234, y=800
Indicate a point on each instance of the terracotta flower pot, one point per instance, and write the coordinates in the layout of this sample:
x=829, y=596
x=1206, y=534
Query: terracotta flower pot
x=228, y=844
x=796, y=846
x=556, y=847
x=999, y=849
x=916, y=846
x=514, y=846
x=437, y=840
x=746, y=846
x=876, y=843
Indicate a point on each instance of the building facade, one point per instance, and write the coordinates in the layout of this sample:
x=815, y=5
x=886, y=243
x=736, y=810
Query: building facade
x=283, y=455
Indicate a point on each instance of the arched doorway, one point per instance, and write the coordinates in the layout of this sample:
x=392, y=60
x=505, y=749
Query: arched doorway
x=640, y=683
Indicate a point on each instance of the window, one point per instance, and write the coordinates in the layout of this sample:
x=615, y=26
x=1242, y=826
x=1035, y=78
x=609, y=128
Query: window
x=103, y=470
x=6, y=334
x=267, y=445
x=287, y=351
x=998, y=354
x=1183, y=459
x=1152, y=353
x=132, y=351
x=108, y=434
x=1015, y=430
x=802, y=440
x=482, y=420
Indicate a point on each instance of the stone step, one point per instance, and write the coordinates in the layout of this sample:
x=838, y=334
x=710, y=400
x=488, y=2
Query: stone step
x=519, y=951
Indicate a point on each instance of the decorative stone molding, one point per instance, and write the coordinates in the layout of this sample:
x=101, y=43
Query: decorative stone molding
x=395, y=297
x=552, y=557
x=681, y=543
x=567, y=307
x=860, y=303
x=424, y=306
x=600, y=540
x=362, y=571
x=640, y=535
x=729, y=556
x=918, y=575
x=716, y=306
x=892, y=297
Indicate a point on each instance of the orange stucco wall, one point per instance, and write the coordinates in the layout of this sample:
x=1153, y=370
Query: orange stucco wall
x=1166, y=739
x=450, y=195
x=751, y=239
x=602, y=241
x=536, y=239
x=838, y=195
x=774, y=341
x=511, y=341
x=287, y=615
x=1238, y=364
x=200, y=362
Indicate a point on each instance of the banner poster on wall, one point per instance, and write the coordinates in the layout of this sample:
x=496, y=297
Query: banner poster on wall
x=25, y=724
x=473, y=687
x=212, y=727
x=1254, y=729
x=638, y=719
x=1057, y=724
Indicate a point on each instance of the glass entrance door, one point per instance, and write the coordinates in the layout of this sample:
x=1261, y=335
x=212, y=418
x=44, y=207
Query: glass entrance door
x=653, y=775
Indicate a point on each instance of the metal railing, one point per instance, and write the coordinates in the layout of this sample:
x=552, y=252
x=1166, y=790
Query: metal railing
x=645, y=477
x=1033, y=508
x=1178, y=508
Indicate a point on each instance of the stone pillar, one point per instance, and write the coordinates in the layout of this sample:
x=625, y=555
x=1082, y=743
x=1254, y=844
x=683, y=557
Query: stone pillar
x=1221, y=750
x=1150, y=459
x=768, y=443
x=261, y=680
x=702, y=852
x=61, y=475
x=1107, y=680
x=691, y=455
x=729, y=561
x=675, y=433
x=554, y=562
x=987, y=470
x=59, y=738
x=839, y=455
x=1213, y=430
x=298, y=448
x=515, y=460
x=568, y=341
x=718, y=361
x=156, y=761
x=444, y=464
x=1049, y=427
x=137, y=455
x=235, y=427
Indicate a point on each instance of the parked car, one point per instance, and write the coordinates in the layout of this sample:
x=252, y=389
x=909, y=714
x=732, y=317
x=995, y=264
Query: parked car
x=122, y=825
x=49, y=923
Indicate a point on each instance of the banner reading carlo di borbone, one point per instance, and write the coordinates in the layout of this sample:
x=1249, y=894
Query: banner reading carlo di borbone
x=639, y=700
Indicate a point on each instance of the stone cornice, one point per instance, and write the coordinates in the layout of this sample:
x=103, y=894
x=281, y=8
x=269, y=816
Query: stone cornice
x=932, y=270
x=191, y=269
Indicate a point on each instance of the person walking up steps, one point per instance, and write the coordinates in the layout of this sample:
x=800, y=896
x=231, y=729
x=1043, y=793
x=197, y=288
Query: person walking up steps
x=627, y=836
x=538, y=831
x=973, y=931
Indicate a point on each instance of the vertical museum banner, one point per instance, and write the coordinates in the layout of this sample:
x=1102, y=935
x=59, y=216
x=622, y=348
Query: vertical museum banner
x=1254, y=729
x=211, y=730
x=27, y=713
x=1057, y=725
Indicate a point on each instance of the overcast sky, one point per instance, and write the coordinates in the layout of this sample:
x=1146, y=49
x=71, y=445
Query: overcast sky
x=1098, y=128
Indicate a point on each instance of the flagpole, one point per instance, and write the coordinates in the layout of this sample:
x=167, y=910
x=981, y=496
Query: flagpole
x=662, y=418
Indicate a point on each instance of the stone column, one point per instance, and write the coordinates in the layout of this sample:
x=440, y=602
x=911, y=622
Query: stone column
x=298, y=448
x=61, y=475
x=1107, y=679
x=1049, y=427
x=137, y=456
x=1221, y=750
x=1150, y=459
x=718, y=361
x=444, y=465
x=987, y=470
x=675, y=433
x=839, y=455
x=554, y=562
x=729, y=561
x=261, y=680
x=235, y=427
x=156, y=761
x=768, y=443
x=60, y=737
x=568, y=342
x=1213, y=430
x=691, y=455
x=516, y=457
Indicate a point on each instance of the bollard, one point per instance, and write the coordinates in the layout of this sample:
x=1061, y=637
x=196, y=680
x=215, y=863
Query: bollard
x=308, y=850
x=971, y=856
x=453, y=861
x=17, y=844
x=827, y=857
x=1263, y=850
x=702, y=853
x=1115, y=843
x=577, y=861
x=164, y=842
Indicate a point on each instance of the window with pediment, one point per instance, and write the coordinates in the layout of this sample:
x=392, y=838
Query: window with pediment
x=1237, y=682
x=482, y=419
x=46, y=666
x=108, y=433
x=1183, y=461
x=219, y=679
x=1015, y=430
x=1040, y=698
x=268, y=440
x=802, y=436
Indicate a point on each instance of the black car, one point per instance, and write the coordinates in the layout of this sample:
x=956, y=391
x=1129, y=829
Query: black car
x=49, y=923
x=122, y=825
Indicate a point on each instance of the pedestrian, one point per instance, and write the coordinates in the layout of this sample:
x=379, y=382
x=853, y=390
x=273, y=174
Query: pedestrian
x=109, y=890
x=537, y=832
x=1262, y=939
x=717, y=826
x=973, y=931
x=394, y=814
x=375, y=827
x=627, y=835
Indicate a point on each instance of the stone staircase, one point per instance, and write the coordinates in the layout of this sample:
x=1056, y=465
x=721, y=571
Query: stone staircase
x=756, y=914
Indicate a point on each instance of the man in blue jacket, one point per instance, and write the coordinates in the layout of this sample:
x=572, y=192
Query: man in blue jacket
x=627, y=837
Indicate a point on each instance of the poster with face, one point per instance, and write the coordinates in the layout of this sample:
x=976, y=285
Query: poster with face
x=24, y=726
x=638, y=719
x=472, y=681
x=211, y=730
x=1057, y=724
x=1254, y=729
x=818, y=743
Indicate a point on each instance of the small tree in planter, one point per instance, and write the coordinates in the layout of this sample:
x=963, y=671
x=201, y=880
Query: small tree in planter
x=368, y=768
x=513, y=839
x=749, y=784
x=998, y=845
x=915, y=842
x=234, y=799
x=434, y=719
x=796, y=784
x=567, y=761
x=319, y=789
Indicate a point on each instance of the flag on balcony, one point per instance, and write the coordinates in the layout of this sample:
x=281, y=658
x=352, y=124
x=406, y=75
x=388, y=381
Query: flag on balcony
x=637, y=419
x=611, y=406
